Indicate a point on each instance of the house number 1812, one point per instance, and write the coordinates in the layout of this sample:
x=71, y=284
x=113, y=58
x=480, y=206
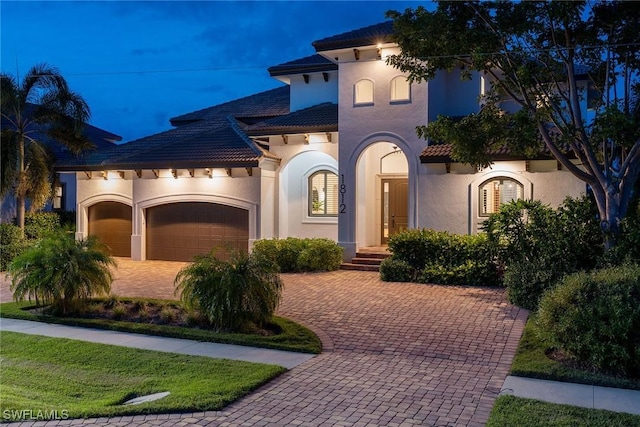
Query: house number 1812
x=343, y=189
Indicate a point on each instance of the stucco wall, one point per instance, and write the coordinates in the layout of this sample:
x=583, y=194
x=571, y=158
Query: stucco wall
x=450, y=201
x=315, y=92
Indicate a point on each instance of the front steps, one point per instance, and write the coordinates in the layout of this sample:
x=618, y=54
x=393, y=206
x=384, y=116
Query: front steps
x=366, y=260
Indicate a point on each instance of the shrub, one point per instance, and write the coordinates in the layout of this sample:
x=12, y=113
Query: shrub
x=12, y=243
x=231, y=294
x=294, y=255
x=62, y=271
x=536, y=245
x=320, y=255
x=288, y=252
x=443, y=258
x=595, y=317
x=393, y=269
x=38, y=225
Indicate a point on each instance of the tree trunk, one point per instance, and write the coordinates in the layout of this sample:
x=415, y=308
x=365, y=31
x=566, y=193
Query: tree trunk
x=610, y=217
x=20, y=211
x=20, y=196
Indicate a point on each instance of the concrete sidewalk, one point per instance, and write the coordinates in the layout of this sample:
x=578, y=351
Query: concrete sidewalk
x=586, y=396
x=287, y=359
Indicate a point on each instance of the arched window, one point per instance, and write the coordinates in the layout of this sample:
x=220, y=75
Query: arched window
x=363, y=92
x=323, y=194
x=496, y=192
x=400, y=89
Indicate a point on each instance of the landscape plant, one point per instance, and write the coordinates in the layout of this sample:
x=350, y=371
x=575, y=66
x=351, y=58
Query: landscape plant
x=40, y=104
x=294, y=254
x=594, y=318
x=535, y=245
x=62, y=272
x=233, y=294
x=430, y=256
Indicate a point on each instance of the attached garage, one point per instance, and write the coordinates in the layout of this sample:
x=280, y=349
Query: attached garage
x=178, y=231
x=111, y=222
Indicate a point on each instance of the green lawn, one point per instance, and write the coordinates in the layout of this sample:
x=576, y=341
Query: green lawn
x=80, y=379
x=519, y=412
x=293, y=337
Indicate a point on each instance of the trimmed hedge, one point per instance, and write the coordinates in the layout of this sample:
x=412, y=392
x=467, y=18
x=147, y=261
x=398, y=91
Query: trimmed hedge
x=12, y=244
x=428, y=256
x=595, y=317
x=293, y=254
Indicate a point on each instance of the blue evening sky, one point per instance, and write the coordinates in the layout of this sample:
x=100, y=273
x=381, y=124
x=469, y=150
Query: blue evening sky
x=139, y=63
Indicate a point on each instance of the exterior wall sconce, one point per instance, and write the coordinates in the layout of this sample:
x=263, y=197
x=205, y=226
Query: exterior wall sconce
x=208, y=172
x=306, y=138
x=356, y=54
x=105, y=175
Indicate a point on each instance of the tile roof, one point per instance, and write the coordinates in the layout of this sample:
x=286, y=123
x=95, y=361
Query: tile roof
x=314, y=63
x=270, y=103
x=441, y=153
x=371, y=35
x=319, y=118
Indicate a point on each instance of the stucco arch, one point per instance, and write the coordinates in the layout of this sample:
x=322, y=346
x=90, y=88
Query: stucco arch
x=348, y=220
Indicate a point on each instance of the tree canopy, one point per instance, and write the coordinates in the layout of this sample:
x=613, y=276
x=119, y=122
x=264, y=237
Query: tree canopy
x=561, y=78
x=39, y=107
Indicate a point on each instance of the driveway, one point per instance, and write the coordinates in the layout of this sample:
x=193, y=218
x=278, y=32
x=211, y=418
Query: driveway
x=395, y=353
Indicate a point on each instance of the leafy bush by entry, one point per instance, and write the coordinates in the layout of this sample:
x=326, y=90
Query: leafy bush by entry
x=429, y=256
x=395, y=270
x=595, y=317
x=231, y=294
x=62, y=271
x=297, y=255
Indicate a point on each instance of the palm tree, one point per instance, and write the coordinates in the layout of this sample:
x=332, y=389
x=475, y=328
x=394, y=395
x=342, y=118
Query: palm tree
x=38, y=109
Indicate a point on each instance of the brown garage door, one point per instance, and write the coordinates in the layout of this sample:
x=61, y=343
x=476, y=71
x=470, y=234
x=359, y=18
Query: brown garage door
x=178, y=231
x=111, y=222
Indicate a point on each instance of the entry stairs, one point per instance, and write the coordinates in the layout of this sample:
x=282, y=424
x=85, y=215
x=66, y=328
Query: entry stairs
x=367, y=259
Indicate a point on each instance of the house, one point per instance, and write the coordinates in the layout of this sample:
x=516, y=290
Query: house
x=64, y=197
x=331, y=153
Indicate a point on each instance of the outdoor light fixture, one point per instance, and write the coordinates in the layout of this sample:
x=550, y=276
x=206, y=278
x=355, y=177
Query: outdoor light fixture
x=174, y=172
x=208, y=172
x=105, y=175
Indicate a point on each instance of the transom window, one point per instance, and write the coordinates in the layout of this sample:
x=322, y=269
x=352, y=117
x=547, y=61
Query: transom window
x=323, y=194
x=496, y=192
x=400, y=89
x=363, y=92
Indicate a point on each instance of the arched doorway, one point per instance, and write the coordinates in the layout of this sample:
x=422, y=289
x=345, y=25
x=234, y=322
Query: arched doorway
x=382, y=188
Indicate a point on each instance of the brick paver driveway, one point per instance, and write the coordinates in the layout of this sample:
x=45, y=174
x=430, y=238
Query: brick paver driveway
x=395, y=353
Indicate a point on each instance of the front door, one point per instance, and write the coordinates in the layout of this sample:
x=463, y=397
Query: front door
x=395, y=202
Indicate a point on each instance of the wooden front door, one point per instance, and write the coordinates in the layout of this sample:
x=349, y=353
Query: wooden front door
x=395, y=201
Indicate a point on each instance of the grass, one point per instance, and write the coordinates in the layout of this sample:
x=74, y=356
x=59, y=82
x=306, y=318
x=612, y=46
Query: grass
x=293, y=337
x=516, y=411
x=532, y=362
x=80, y=379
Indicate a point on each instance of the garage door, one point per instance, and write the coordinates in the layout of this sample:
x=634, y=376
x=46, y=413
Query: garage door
x=111, y=222
x=178, y=231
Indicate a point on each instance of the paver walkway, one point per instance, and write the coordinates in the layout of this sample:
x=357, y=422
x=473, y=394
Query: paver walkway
x=395, y=353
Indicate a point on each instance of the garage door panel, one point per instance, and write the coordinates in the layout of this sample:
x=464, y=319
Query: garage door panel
x=179, y=231
x=111, y=222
